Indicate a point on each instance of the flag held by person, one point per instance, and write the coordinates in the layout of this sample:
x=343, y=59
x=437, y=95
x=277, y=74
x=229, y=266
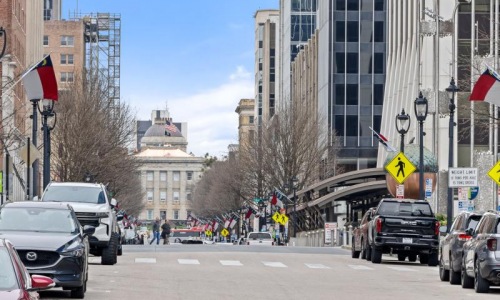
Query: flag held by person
x=384, y=141
x=40, y=81
x=487, y=87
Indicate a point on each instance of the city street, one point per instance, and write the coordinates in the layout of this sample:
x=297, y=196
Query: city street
x=252, y=272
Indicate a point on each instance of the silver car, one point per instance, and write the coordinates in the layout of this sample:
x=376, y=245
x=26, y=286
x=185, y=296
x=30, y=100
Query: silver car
x=451, y=246
x=481, y=260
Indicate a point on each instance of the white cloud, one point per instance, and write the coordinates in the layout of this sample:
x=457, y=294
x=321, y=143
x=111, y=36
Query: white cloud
x=211, y=117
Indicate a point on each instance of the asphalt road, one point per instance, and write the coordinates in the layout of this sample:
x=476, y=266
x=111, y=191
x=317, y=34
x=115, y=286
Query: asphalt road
x=252, y=272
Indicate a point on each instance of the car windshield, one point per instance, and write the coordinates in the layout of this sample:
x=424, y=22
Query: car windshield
x=405, y=208
x=472, y=222
x=259, y=235
x=83, y=194
x=37, y=219
x=8, y=280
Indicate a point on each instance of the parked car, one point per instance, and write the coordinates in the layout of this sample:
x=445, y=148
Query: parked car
x=451, y=246
x=360, y=237
x=260, y=238
x=15, y=281
x=186, y=236
x=50, y=241
x=93, y=207
x=481, y=254
x=405, y=227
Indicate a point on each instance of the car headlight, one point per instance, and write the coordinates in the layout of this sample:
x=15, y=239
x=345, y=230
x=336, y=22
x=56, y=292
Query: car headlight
x=75, y=249
x=102, y=215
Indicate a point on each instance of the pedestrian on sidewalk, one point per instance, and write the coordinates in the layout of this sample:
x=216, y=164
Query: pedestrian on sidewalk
x=165, y=232
x=156, y=232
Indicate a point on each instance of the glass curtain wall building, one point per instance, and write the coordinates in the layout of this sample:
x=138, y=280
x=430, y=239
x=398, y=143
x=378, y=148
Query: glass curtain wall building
x=352, y=89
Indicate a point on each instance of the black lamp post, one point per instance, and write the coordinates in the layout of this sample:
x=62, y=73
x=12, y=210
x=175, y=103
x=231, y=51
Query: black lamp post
x=294, y=186
x=4, y=35
x=421, y=109
x=452, y=90
x=48, y=111
x=402, y=126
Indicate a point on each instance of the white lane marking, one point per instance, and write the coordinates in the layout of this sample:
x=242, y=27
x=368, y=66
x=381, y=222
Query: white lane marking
x=403, y=269
x=188, y=261
x=145, y=260
x=274, y=264
x=360, y=267
x=230, y=263
x=317, y=266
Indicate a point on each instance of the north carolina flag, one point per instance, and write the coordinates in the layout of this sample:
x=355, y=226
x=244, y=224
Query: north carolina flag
x=40, y=83
x=275, y=201
x=487, y=88
x=227, y=222
x=249, y=213
x=383, y=140
x=233, y=222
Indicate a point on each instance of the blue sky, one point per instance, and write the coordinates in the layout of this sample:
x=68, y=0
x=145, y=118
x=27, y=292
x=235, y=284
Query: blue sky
x=197, y=56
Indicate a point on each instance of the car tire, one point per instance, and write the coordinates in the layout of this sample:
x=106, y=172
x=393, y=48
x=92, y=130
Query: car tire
x=481, y=285
x=354, y=253
x=444, y=274
x=110, y=253
x=424, y=258
x=432, y=259
x=368, y=252
x=401, y=257
x=376, y=255
x=466, y=281
x=79, y=292
x=412, y=257
x=454, y=276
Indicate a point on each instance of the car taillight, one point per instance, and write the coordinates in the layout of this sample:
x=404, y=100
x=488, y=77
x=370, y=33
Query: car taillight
x=436, y=227
x=463, y=237
x=492, y=244
x=379, y=225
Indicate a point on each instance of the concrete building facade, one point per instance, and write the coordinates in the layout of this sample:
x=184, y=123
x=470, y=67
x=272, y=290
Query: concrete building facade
x=246, y=121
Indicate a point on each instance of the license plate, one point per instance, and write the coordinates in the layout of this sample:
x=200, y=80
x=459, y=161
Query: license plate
x=407, y=240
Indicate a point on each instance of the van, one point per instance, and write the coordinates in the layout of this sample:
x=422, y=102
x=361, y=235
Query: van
x=186, y=236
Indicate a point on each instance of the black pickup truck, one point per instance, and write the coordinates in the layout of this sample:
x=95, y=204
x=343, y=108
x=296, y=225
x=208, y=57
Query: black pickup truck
x=405, y=227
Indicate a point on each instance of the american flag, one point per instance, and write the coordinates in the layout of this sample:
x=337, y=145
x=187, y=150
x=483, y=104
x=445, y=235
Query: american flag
x=170, y=126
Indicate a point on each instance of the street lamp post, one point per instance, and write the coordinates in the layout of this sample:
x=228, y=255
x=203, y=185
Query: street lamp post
x=48, y=111
x=421, y=109
x=4, y=35
x=452, y=90
x=402, y=126
x=294, y=186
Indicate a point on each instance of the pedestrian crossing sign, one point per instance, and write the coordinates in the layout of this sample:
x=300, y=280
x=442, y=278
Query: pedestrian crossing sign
x=224, y=232
x=494, y=173
x=400, y=167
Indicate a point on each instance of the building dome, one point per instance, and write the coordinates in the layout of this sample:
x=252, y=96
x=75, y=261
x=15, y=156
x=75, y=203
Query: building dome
x=158, y=130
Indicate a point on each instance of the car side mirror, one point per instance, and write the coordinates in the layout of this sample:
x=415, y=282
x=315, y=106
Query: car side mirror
x=88, y=230
x=113, y=202
x=443, y=229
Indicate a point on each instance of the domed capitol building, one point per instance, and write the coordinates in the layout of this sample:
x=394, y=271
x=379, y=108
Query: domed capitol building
x=168, y=172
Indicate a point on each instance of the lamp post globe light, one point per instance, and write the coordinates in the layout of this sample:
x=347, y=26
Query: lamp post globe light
x=402, y=126
x=421, y=108
x=46, y=112
x=452, y=90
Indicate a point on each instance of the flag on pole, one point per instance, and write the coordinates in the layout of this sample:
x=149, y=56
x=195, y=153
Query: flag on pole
x=249, y=213
x=275, y=201
x=233, y=222
x=170, y=126
x=215, y=225
x=384, y=141
x=227, y=222
x=40, y=82
x=487, y=87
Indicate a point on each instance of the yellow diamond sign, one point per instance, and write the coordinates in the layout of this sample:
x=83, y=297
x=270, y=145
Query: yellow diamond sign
x=277, y=217
x=283, y=219
x=224, y=232
x=494, y=173
x=400, y=167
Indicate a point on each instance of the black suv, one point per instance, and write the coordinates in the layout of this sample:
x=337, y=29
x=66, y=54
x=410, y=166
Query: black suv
x=50, y=241
x=451, y=246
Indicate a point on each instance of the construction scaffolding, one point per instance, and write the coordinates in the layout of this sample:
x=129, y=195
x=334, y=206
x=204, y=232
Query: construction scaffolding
x=102, y=36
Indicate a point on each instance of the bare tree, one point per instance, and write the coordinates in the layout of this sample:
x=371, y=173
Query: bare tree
x=91, y=137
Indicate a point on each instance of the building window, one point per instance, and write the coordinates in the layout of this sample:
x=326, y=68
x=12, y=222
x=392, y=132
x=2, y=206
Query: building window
x=176, y=196
x=340, y=62
x=150, y=195
x=379, y=5
x=352, y=94
x=163, y=214
x=251, y=119
x=163, y=196
x=378, y=94
x=352, y=4
x=149, y=175
x=177, y=175
x=188, y=195
x=189, y=175
x=45, y=40
x=340, y=31
x=163, y=176
x=352, y=130
x=67, y=77
x=150, y=214
x=379, y=63
x=352, y=63
x=67, y=40
x=339, y=94
x=352, y=31
x=340, y=5
x=176, y=214
x=378, y=31
x=66, y=59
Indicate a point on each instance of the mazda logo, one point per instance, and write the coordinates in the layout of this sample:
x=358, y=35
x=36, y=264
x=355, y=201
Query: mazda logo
x=31, y=256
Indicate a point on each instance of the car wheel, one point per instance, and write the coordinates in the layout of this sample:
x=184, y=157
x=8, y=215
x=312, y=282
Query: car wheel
x=424, y=258
x=481, y=285
x=109, y=254
x=368, y=252
x=376, y=255
x=432, y=259
x=454, y=276
x=401, y=257
x=444, y=274
x=412, y=257
x=354, y=253
x=465, y=280
x=79, y=292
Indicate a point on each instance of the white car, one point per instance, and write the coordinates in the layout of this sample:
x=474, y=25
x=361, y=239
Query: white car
x=260, y=238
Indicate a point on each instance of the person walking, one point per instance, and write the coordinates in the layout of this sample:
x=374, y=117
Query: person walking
x=156, y=232
x=165, y=232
